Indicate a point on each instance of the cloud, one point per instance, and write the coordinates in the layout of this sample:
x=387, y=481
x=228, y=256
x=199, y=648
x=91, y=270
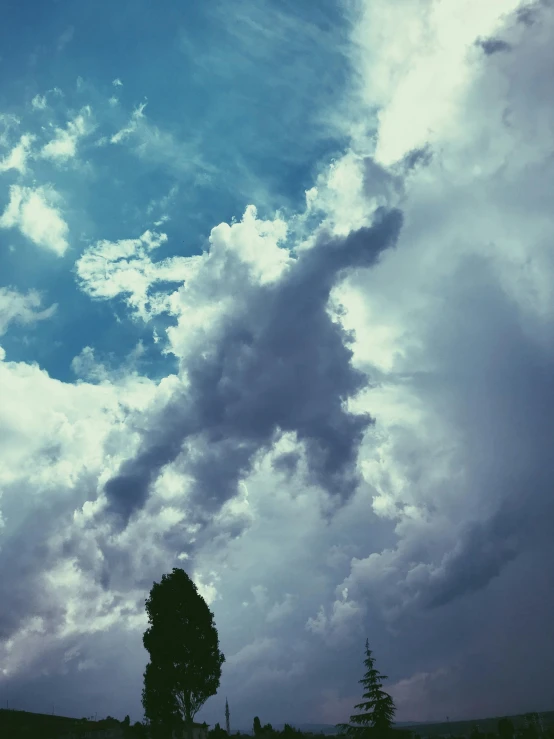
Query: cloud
x=87, y=367
x=279, y=611
x=259, y=649
x=408, y=52
x=64, y=144
x=17, y=158
x=20, y=308
x=258, y=664
x=109, y=269
x=344, y=625
x=8, y=122
x=477, y=359
x=66, y=37
x=333, y=708
x=413, y=695
x=34, y=212
x=53, y=444
x=117, y=82
x=131, y=127
x=152, y=144
x=260, y=595
x=39, y=102
x=493, y=45
x=271, y=362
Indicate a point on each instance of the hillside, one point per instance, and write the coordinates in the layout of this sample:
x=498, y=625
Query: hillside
x=463, y=728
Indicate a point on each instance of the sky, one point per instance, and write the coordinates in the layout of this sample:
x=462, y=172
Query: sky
x=276, y=307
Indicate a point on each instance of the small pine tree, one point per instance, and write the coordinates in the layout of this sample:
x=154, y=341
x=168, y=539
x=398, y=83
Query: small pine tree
x=227, y=725
x=378, y=706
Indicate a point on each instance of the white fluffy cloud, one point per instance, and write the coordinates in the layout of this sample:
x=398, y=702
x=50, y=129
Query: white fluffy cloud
x=124, y=267
x=35, y=212
x=58, y=441
x=410, y=52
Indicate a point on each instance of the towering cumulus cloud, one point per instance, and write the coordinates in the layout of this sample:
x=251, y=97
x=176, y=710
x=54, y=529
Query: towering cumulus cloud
x=276, y=363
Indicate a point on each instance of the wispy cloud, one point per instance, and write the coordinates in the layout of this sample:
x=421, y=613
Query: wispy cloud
x=21, y=308
x=39, y=102
x=65, y=38
x=8, y=122
x=152, y=144
x=131, y=127
x=64, y=144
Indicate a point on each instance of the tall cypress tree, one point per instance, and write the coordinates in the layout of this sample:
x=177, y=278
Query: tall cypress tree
x=227, y=724
x=185, y=661
x=378, y=706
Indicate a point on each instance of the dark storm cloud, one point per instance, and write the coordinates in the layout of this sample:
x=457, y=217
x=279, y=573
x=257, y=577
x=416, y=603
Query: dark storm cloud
x=27, y=553
x=281, y=365
x=420, y=156
x=484, y=550
x=501, y=393
x=531, y=13
x=493, y=45
x=287, y=463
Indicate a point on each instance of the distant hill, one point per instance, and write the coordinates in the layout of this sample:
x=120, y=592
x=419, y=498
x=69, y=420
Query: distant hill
x=429, y=729
x=326, y=729
x=20, y=723
x=463, y=728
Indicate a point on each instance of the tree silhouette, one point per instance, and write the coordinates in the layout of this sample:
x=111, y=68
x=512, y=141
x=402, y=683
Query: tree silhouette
x=185, y=661
x=531, y=726
x=378, y=707
x=505, y=728
x=257, y=727
x=138, y=730
x=217, y=732
x=227, y=724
